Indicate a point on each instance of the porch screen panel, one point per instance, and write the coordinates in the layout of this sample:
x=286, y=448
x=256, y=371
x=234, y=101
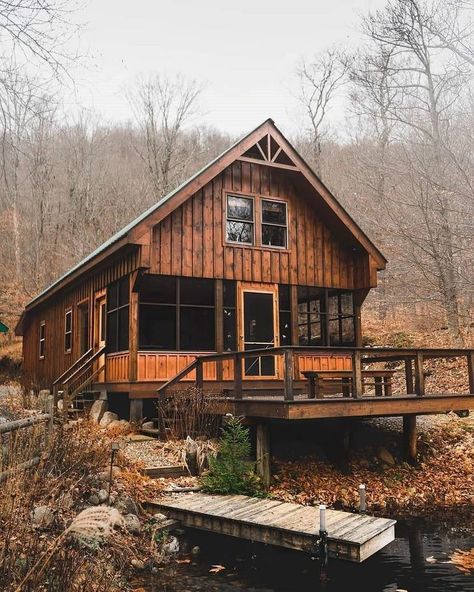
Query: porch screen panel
x=118, y=305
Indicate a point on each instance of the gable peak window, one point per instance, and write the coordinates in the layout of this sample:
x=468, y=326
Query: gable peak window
x=240, y=219
x=274, y=223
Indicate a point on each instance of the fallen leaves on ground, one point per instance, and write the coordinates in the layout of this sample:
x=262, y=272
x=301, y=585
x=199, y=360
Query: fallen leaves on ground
x=464, y=560
x=444, y=479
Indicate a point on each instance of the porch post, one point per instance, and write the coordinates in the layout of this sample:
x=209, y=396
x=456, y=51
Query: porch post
x=409, y=438
x=263, y=454
x=357, y=386
x=419, y=375
x=409, y=376
x=288, y=370
x=133, y=333
x=219, y=312
x=136, y=409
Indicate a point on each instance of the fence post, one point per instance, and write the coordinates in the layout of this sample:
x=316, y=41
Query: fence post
x=356, y=374
x=50, y=412
x=409, y=376
x=237, y=376
x=419, y=376
x=288, y=375
x=470, y=371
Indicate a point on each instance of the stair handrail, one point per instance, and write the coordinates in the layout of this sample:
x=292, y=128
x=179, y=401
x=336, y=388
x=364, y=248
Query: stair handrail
x=181, y=374
x=60, y=378
x=89, y=361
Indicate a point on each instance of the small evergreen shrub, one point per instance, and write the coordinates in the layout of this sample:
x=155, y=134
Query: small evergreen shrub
x=230, y=472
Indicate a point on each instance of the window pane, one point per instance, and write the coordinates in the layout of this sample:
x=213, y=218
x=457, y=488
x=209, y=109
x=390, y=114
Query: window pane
x=284, y=297
x=197, y=332
x=67, y=342
x=285, y=328
x=334, y=332
x=239, y=232
x=303, y=334
x=230, y=341
x=229, y=293
x=240, y=208
x=347, y=305
x=157, y=327
x=68, y=321
x=333, y=309
x=112, y=297
x=315, y=334
x=274, y=236
x=194, y=291
x=123, y=329
x=156, y=288
x=124, y=294
x=112, y=318
x=274, y=212
x=348, y=333
x=42, y=331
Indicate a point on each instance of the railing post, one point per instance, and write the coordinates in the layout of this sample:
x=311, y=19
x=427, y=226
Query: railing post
x=409, y=376
x=470, y=371
x=419, y=375
x=199, y=374
x=288, y=374
x=237, y=376
x=356, y=374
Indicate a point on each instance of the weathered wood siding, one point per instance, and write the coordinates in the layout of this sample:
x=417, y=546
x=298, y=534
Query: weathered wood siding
x=42, y=372
x=191, y=242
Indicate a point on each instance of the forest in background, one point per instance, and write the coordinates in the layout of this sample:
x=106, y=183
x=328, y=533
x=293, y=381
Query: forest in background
x=401, y=163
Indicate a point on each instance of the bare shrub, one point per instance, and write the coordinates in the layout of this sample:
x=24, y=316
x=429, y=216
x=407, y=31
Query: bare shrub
x=188, y=413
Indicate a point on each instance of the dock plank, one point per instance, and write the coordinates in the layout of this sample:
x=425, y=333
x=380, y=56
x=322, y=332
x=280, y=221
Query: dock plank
x=352, y=537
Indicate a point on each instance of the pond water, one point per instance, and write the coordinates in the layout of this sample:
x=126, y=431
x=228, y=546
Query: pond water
x=414, y=562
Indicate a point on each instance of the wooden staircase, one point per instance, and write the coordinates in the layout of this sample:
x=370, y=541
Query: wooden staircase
x=73, y=386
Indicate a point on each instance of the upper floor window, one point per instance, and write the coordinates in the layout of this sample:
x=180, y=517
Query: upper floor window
x=240, y=220
x=42, y=339
x=274, y=223
x=68, y=331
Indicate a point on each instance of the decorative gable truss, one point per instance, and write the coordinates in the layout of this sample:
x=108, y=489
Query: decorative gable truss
x=269, y=151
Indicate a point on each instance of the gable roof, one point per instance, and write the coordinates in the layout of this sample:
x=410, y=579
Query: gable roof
x=132, y=232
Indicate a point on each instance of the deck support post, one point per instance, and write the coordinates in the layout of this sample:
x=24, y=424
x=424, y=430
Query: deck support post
x=199, y=375
x=409, y=438
x=409, y=376
x=357, y=386
x=419, y=375
x=288, y=371
x=263, y=454
x=470, y=371
x=136, y=409
x=237, y=376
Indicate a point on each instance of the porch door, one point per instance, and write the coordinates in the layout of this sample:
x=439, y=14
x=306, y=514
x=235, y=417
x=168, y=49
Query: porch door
x=100, y=314
x=258, y=329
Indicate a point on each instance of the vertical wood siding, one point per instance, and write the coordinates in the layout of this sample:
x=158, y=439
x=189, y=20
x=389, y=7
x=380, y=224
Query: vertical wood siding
x=191, y=241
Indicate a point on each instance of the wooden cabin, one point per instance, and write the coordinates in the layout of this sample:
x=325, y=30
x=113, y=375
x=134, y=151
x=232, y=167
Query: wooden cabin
x=251, y=253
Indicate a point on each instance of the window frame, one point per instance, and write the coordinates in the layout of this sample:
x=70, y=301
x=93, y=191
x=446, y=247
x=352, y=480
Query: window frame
x=262, y=223
x=68, y=312
x=116, y=285
x=252, y=222
x=42, y=340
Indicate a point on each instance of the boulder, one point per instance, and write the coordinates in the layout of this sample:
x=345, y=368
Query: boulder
x=118, y=423
x=148, y=425
x=386, y=456
x=159, y=517
x=42, y=517
x=93, y=499
x=103, y=495
x=132, y=523
x=97, y=411
x=126, y=505
x=171, y=546
x=138, y=564
x=107, y=418
x=60, y=404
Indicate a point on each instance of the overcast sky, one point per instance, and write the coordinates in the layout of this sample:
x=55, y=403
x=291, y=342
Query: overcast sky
x=244, y=52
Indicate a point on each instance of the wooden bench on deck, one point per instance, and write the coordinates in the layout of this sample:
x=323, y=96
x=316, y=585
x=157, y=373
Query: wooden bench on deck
x=321, y=381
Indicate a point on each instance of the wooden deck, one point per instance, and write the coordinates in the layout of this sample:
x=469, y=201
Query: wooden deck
x=352, y=537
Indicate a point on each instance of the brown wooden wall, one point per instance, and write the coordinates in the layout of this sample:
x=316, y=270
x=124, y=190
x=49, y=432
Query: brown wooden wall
x=190, y=241
x=41, y=373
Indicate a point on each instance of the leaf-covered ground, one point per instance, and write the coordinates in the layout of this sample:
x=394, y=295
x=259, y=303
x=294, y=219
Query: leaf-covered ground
x=441, y=485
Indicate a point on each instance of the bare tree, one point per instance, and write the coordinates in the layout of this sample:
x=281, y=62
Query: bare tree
x=427, y=87
x=320, y=80
x=163, y=107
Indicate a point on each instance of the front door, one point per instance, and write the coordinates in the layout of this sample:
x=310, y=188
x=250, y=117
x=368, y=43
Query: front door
x=258, y=322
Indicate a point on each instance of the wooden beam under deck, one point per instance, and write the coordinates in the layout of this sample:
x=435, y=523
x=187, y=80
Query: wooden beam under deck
x=275, y=408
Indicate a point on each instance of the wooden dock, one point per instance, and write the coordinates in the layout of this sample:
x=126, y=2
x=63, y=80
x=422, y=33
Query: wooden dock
x=352, y=537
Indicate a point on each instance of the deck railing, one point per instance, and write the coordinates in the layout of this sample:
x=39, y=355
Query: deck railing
x=413, y=359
